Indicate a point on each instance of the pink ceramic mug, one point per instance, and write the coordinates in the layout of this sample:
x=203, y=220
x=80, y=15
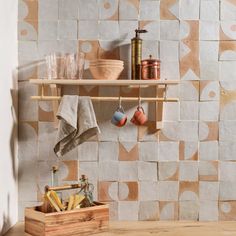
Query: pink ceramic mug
x=139, y=117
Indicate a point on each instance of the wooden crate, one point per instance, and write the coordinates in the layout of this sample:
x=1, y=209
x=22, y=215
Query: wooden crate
x=83, y=221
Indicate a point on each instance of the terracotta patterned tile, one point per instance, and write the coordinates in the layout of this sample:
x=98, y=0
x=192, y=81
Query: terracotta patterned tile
x=189, y=210
x=128, y=191
x=72, y=170
x=208, y=171
x=227, y=30
x=169, y=210
x=108, y=10
x=168, y=171
x=131, y=154
x=189, y=30
x=227, y=50
x=188, y=191
x=90, y=48
x=227, y=210
x=208, y=131
x=107, y=191
x=149, y=210
x=188, y=150
x=169, y=10
x=129, y=9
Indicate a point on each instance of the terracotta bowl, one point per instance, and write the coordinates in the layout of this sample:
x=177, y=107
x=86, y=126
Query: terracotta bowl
x=106, y=72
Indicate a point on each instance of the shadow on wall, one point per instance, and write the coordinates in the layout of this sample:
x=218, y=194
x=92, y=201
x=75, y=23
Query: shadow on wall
x=13, y=149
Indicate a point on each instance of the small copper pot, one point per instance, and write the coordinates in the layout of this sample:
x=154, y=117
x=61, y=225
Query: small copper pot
x=150, y=68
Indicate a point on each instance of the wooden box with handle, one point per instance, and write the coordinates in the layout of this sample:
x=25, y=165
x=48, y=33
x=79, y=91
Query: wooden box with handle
x=83, y=221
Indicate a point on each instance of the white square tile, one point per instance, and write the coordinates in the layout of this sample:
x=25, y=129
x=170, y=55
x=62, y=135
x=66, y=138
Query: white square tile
x=189, y=110
x=171, y=111
x=48, y=30
x=88, y=151
x=209, y=51
x=84, y=33
x=227, y=130
x=88, y=10
x=227, y=151
x=128, y=210
x=208, y=211
x=209, y=70
x=147, y=171
x=188, y=171
x=209, y=30
x=67, y=29
x=108, y=30
x=209, y=111
x=210, y=10
x=170, y=30
x=48, y=10
x=227, y=190
x=90, y=169
x=108, y=171
x=226, y=72
x=126, y=28
x=108, y=151
x=168, y=151
x=169, y=51
x=209, y=190
x=227, y=171
x=68, y=9
x=208, y=150
x=168, y=190
x=148, y=191
x=128, y=171
x=153, y=30
x=148, y=151
x=227, y=10
x=150, y=47
x=189, y=9
x=149, y=10
x=170, y=71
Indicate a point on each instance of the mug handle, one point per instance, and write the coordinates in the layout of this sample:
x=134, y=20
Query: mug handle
x=121, y=109
x=140, y=107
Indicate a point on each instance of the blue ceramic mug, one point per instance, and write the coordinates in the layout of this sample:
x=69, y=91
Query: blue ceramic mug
x=119, y=118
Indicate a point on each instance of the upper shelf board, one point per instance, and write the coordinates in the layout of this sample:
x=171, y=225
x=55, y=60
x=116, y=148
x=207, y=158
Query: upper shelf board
x=104, y=82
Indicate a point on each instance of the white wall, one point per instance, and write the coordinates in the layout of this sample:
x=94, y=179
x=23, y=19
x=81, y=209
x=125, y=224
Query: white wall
x=8, y=160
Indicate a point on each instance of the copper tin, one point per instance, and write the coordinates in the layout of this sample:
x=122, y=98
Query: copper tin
x=150, y=68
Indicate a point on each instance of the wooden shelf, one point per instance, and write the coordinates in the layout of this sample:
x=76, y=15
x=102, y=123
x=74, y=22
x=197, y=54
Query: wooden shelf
x=93, y=82
x=159, y=98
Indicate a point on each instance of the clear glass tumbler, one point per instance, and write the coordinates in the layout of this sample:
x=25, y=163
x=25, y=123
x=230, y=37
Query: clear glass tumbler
x=55, y=66
x=74, y=65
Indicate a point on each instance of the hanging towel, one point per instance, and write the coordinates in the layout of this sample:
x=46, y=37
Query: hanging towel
x=77, y=123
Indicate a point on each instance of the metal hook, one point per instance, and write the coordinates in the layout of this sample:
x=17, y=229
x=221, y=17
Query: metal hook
x=139, y=97
x=120, y=102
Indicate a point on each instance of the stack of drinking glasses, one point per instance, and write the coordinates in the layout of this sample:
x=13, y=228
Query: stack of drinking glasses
x=65, y=66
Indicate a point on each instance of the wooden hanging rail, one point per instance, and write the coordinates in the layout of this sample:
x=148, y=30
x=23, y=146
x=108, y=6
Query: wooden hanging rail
x=110, y=99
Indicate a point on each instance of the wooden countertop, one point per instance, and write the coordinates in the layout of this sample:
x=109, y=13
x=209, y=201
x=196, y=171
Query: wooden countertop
x=158, y=228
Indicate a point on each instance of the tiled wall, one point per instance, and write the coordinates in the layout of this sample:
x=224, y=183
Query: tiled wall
x=187, y=171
